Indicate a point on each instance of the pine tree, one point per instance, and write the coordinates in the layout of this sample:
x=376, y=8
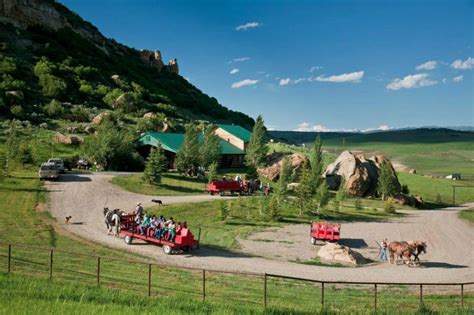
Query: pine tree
x=340, y=196
x=212, y=172
x=257, y=148
x=387, y=182
x=209, y=150
x=322, y=197
x=3, y=166
x=284, y=179
x=154, y=167
x=304, y=191
x=188, y=156
x=317, y=163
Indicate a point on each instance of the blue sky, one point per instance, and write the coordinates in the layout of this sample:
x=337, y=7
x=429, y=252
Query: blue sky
x=312, y=65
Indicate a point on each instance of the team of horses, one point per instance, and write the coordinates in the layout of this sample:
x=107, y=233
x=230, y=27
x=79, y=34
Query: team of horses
x=405, y=250
x=112, y=221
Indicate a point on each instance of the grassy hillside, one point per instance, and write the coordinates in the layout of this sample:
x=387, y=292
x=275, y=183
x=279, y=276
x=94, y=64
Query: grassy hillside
x=65, y=75
x=430, y=151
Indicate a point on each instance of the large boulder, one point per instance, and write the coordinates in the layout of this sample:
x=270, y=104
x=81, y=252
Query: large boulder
x=403, y=199
x=274, y=162
x=359, y=173
x=336, y=253
x=99, y=118
x=68, y=139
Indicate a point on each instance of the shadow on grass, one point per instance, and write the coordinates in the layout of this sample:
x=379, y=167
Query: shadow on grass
x=180, y=189
x=183, y=178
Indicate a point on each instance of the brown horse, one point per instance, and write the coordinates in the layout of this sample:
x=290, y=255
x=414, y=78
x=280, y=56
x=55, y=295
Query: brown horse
x=400, y=250
x=418, y=248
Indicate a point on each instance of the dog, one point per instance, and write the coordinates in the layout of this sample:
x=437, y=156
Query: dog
x=158, y=201
x=68, y=218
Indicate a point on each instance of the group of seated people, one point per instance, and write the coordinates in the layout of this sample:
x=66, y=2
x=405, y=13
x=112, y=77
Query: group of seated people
x=159, y=227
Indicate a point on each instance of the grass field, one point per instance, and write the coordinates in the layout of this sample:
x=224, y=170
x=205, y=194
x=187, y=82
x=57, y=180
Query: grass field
x=467, y=215
x=173, y=184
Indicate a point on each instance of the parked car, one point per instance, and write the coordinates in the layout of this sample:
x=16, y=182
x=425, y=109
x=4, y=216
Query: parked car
x=48, y=171
x=59, y=164
x=83, y=164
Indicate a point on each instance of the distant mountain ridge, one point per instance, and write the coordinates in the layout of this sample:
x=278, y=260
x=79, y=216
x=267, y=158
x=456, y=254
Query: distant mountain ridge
x=48, y=52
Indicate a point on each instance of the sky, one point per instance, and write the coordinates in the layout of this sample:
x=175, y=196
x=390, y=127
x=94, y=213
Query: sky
x=312, y=65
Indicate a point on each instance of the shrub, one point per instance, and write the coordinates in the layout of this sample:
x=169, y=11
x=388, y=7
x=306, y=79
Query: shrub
x=86, y=89
x=16, y=110
x=54, y=108
x=7, y=64
x=439, y=200
x=52, y=85
x=274, y=209
x=358, y=204
x=388, y=207
x=7, y=82
x=112, y=96
x=224, y=210
x=26, y=155
x=212, y=172
x=405, y=190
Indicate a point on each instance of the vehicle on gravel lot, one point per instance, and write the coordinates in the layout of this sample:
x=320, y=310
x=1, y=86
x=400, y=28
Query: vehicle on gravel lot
x=59, y=164
x=323, y=231
x=183, y=241
x=48, y=171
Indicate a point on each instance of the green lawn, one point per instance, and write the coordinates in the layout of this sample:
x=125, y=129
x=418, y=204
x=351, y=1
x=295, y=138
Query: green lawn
x=467, y=215
x=173, y=184
x=429, y=188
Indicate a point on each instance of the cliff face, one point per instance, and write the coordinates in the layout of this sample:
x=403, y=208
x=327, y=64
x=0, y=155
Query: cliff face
x=54, y=16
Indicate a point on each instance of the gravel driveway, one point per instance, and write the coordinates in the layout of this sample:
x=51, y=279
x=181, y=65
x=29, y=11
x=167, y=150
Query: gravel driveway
x=450, y=240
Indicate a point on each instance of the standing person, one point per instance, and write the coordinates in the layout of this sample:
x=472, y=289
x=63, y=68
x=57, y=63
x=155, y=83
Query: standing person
x=139, y=212
x=383, y=250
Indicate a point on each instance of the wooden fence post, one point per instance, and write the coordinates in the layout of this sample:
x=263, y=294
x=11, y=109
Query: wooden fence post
x=322, y=294
x=204, y=285
x=265, y=290
x=98, y=270
x=9, y=257
x=454, y=194
x=149, y=279
x=421, y=294
x=462, y=295
x=51, y=265
x=375, y=297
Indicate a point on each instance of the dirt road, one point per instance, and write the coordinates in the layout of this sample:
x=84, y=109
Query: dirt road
x=450, y=240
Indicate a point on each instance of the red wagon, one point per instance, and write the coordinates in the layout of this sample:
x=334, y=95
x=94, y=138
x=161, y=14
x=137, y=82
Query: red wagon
x=325, y=232
x=221, y=187
x=184, y=239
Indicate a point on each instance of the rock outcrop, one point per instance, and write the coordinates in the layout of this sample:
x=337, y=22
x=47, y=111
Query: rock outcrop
x=68, y=139
x=402, y=199
x=154, y=59
x=335, y=253
x=359, y=173
x=274, y=162
x=99, y=118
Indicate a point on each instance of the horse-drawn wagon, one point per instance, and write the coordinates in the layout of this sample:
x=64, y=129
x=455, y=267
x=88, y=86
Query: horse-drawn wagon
x=222, y=186
x=323, y=231
x=183, y=241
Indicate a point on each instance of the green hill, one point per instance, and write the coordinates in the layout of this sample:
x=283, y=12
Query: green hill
x=54, y=66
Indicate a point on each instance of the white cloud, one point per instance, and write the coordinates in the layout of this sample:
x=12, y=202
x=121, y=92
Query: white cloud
x=458, y=78
x=299, y=80
x=429, y=65
x=345, y=77
x=314, y=68
x=463, y=65
x=187, y=79
x=285, y=81
x=239, y=59
x=248, y=26
x=234, y=71
x=304, y=126
x=410, y=82
x=444, y=80
x=245, y=82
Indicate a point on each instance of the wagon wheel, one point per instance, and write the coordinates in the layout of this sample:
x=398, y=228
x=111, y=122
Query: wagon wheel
x=167, y=249
x=128, y=239
x=313, y=240
x=222, y=193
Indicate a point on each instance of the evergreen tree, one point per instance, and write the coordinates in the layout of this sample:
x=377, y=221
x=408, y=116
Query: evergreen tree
x=188, y=156
x=212, y=172
x=257, y=148
x=340, y=196
x=274, y=209
x=3, y=166
x=317, y=163
x=304, y=191
x=209, y=151
x=322, y=197
x=154, y=167
x=387, y=183
x=284, y=179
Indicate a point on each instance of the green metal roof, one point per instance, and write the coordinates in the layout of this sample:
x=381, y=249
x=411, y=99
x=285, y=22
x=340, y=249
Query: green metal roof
x=241, y=133
x=173, y=141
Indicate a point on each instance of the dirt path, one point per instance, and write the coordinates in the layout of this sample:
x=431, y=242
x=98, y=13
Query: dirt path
x=450, y=254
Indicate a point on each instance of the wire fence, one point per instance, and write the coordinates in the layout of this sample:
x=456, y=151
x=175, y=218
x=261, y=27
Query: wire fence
x=253, y=289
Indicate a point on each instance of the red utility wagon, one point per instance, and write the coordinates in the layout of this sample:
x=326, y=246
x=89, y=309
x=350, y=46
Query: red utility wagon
x=325, y=232
x=184, y=239
x=221, y=187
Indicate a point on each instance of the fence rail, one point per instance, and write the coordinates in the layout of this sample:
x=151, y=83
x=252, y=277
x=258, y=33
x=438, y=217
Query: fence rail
x=206, y=284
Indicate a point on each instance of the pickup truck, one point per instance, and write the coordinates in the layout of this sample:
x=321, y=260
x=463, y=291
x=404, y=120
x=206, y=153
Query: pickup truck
x=48, y=171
